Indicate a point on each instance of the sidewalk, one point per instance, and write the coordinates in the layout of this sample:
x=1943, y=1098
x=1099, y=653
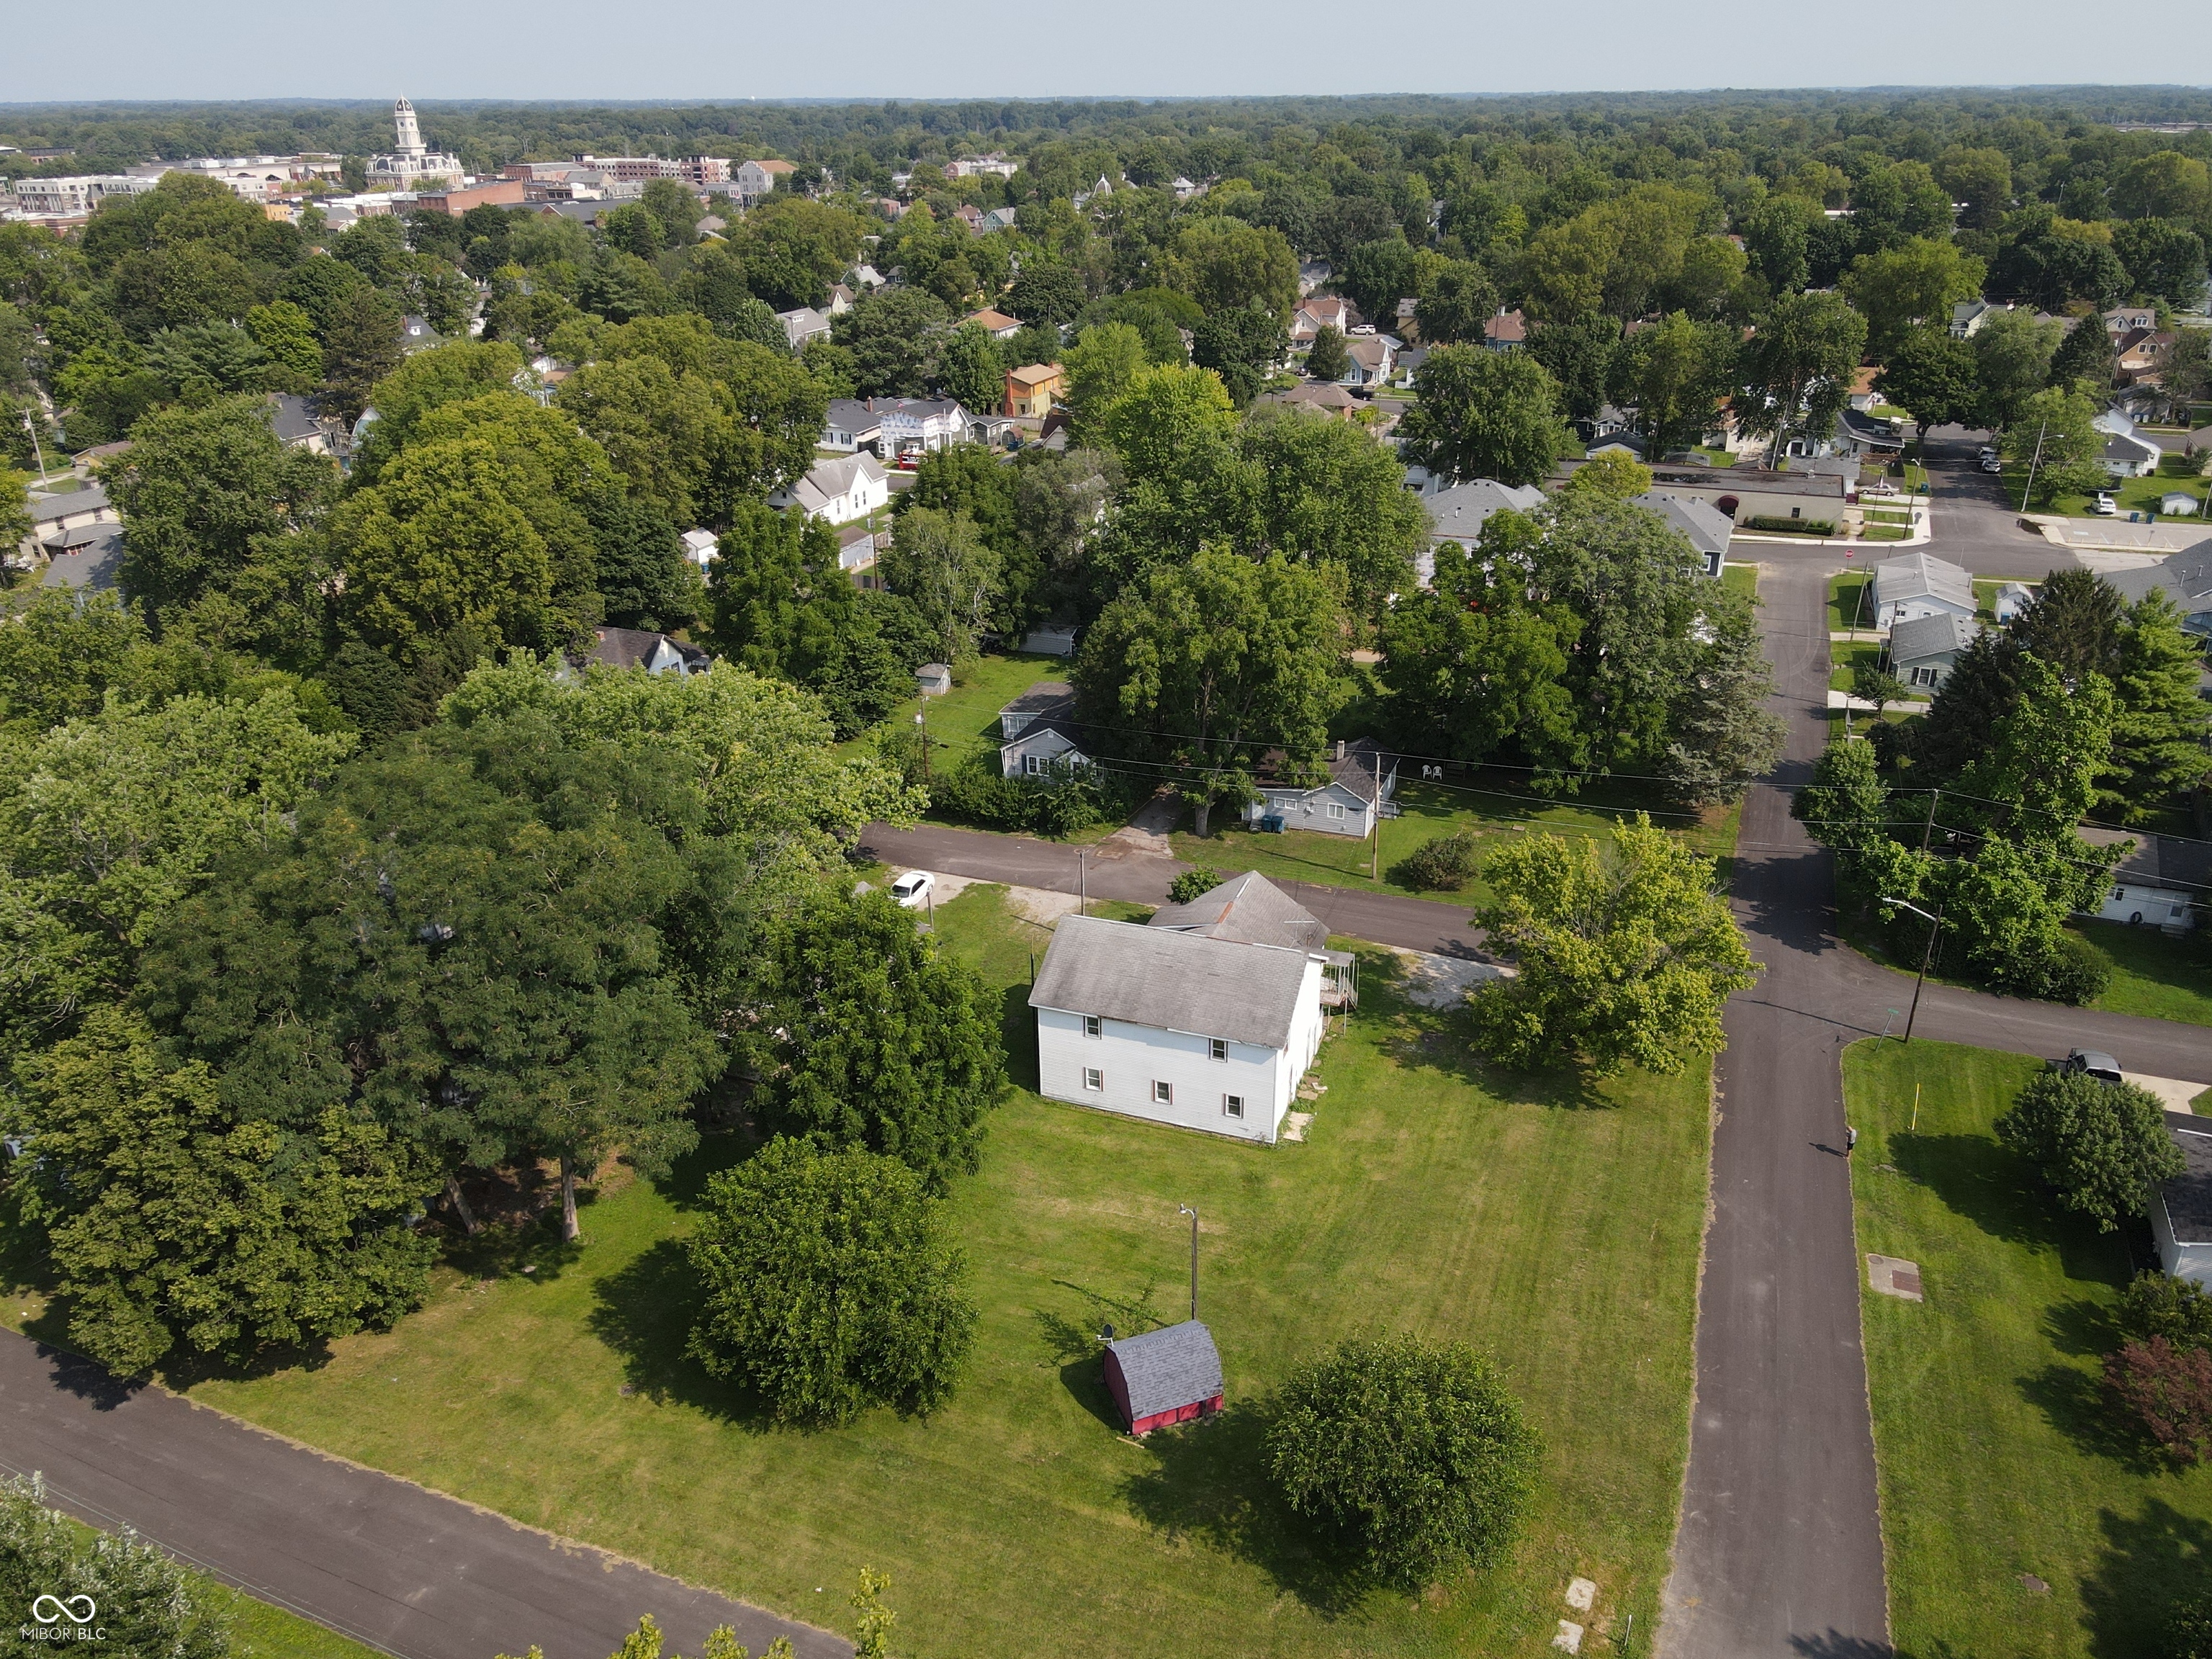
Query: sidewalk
x=2150, y=541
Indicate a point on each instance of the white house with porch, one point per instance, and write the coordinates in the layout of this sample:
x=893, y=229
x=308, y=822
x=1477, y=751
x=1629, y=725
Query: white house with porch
x=1351, y=792
x=1038, y=731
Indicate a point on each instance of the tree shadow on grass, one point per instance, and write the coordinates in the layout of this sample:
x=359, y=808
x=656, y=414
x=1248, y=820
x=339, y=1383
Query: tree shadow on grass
x=1075, y=1344
x=1017, y=1036
x=2149, y=1561
x=2074, y=1402
x=644, y=1311
x=1977, y=1178
x=1208, y=1481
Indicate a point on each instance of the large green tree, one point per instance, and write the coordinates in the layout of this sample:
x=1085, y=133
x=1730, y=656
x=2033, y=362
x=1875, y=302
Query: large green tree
x=1625, y=953
x=1914, y=284
x=1414, y=1452
x=2162, y=726
x=2103, y=1146
x=1484, y=414
x=865, y=1034
x=1795, y=372
x=895, y=337
x=940, y=562
x=829, y=1285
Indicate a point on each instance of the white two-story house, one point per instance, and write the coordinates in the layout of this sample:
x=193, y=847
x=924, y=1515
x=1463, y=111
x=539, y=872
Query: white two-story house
x=838, y=491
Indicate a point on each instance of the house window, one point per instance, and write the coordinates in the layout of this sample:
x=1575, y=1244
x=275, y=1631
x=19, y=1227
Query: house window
x=1094, y=1081
x=1032, y=764
x=1336, y=809
x=1091, y=1026
x=1232, y=1105
x=1924, y=677
x=1163, y=1093
x=1218, y=1046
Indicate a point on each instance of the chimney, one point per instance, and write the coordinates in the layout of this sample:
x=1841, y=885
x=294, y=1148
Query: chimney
x=1340, y=748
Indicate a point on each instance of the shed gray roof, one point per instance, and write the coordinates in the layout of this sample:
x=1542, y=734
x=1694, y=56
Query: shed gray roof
x=1930, y=636
x=1168, y=1369
x=1705, y=524
x=1172, y=981
x=1921, y=576
x=1456, y=515
x=50, y=510
x=2186, y=576
x=2189, y=1194
x=1249, y=907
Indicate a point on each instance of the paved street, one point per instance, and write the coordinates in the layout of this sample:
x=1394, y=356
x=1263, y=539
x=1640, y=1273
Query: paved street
x=385, y=1562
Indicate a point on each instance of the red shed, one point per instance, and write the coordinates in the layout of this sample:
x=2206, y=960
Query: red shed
x=1164, y=1376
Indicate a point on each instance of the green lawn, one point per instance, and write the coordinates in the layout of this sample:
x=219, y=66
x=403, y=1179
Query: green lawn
x=2132, y=495
x=967, y=717
x=2152, y=976
x=1491, y=805
x=1997, y=1453
x=1884, y=532
x=1849, y=605
x=1744, y=578
x=1554, y=1223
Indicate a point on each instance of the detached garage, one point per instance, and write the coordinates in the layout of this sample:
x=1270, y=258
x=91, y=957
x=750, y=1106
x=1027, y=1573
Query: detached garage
x=2181, y=1210
x=1164, y=1376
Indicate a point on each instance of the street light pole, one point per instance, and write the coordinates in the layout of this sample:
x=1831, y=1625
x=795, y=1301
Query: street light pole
x=2028, y=489
x=1185, y=1209
x=1935, y=927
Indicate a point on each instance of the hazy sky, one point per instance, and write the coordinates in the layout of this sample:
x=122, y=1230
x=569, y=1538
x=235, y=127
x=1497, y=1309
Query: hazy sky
x=220, y=49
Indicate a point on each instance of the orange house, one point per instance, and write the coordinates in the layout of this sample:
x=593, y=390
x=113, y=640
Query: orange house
x=1035, y=390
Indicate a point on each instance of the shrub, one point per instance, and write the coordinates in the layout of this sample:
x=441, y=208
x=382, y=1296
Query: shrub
x=829, y=1285
x=1066, y=800
x=1194, y=884
x=2075, y=971
x=2102, y=1145
x=149, y=1606
x=1441, y=864
x=1792, y=526
x=1414, y=1451
x=2159, y=1304
x=2189, y=1627
x=2168, y=1391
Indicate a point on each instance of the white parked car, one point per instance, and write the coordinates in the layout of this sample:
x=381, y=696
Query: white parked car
x=2105, y=506
x=912, y=888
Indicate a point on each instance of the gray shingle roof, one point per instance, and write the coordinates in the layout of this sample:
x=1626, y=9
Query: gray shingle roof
x=1166, y=1369
x=1045, y=697
x=1920, y=575
x=1929, y=636
x=1456, y=515
x=1249, y=907
x=1705, y=524
x=94, y=566
x=50, y=510
x=2186, y=576
x=2189, y=1196
x=2166, y=861
x=1172, y=981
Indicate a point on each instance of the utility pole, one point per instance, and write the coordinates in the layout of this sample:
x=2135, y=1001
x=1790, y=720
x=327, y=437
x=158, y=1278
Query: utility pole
x=1185, y=1209
x=2028, y=489
x=1081, y=886
x=922, y=724
x=1929, y=827
x=1935, y=927
x=37, y=449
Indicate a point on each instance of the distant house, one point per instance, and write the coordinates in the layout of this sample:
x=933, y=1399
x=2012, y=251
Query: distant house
x=634, y=647
x=889, y=426
x=2159, y=885
x=1924, y=649
x=2142, y=356
x=840, y=299
x=1177, y=1026
x=1708, y=528
x=2130, y=319
x=76, y=509
x=838, y=491
x=1325, y=396
x=2181, y=1210
x=1164, y=1376
x=751, y=180
x=1860, y=433
x=89, y=559
x=1321, y=311
x=297, y=424
x=996, y=323
x=1920, y=585
x=2127, y=455
x=1631, y=444
x=415, y=334
x=1034, y=389
x=933, y=679
x=803, y=324
x=2186, y=579
x=1000, y=219
x=1369, y=360
x=1863, y=396
x=1968, y=316
x=1038, y=731
x=2012, y=598
x=1809, y=490
x=1357, y=781
x=1506, y=332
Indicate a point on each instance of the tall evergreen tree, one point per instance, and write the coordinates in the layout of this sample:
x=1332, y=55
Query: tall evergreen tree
x=2085, y=360
x=2159, y=732
x=2073, y=624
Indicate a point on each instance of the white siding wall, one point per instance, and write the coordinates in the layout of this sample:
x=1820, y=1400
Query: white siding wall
x=2182, y=1260
x=2159, y=907
x=1134, y=1057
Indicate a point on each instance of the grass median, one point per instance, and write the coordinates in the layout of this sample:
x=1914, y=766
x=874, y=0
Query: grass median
x=2016, y=1519
x=1554, y=1223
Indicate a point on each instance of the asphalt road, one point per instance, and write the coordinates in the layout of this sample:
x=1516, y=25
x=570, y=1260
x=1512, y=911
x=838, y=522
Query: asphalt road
x=384, y=1561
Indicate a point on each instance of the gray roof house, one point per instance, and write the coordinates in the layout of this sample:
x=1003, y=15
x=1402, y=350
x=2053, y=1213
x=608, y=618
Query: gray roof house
x=1808, y=489
x=63, y=522
x=297, y=424
x=2127, y=453
x=1175, y=1026
x=2181, y=1211
x=1924, y=649
x=1164, y=1376
x=1708, y=528
x=634, y=647
x=1358, y=781
x=90, y=559
x=2163, y=882
x=803, y=324
x=838, y=490
x=2187, y=577
x=1252, y=910
x=1921, y=585
x=1039, y=731
x=1456, y=515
